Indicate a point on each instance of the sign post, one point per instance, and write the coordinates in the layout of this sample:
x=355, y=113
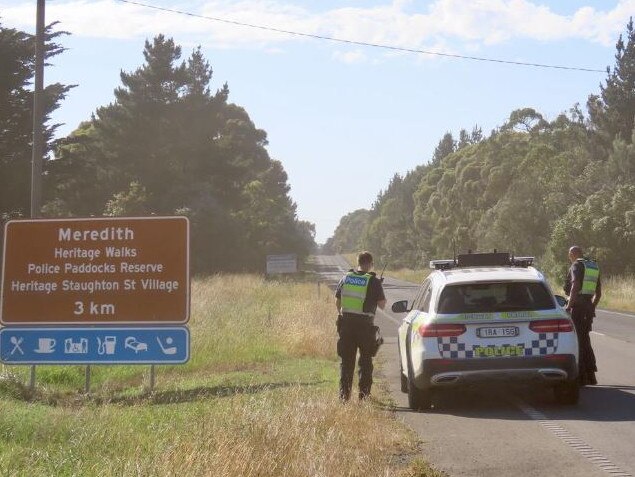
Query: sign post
x=95, y=291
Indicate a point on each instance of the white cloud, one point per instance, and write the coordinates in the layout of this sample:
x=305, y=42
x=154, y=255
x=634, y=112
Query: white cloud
x=350, y=57
x=472, y=24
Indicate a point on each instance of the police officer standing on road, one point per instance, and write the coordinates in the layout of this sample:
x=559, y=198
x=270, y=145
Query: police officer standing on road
x=584, y=289
x=358, y=295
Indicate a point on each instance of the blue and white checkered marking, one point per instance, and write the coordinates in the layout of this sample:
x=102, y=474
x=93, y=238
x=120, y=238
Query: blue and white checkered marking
x=450, y=347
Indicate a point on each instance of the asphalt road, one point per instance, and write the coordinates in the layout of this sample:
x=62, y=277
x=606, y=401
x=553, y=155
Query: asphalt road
x=485, y=432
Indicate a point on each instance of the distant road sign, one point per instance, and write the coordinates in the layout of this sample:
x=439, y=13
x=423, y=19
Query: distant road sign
x=99, y=345
x=282, y=264
x=96, y=271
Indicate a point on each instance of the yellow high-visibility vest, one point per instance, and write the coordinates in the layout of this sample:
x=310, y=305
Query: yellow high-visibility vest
x=591, y=276
x=354, y=291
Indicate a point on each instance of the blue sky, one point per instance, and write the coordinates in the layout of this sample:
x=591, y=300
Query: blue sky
x=344, y=119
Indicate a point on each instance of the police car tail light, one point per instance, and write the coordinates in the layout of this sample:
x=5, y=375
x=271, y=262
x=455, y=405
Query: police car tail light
x=551, y=326
x=441, y=330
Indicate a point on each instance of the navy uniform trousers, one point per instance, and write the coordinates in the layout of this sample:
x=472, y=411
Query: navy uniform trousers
x=356, y=332
x=582, y=315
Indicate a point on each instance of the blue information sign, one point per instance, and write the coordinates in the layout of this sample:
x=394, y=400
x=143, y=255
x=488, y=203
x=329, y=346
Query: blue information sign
x=98, y=345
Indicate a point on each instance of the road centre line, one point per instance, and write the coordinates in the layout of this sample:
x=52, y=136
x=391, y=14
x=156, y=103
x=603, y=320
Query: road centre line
x=594, y=456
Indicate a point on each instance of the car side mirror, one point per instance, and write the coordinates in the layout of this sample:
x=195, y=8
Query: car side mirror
x=400, y=306
x=562, y=301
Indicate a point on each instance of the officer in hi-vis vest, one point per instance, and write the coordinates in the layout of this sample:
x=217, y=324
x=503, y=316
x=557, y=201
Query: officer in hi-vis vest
x=584, y=289
x=358, y=295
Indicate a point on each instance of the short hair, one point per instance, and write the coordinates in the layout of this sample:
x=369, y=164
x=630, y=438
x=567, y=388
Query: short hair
x=576, y=250
x=364, y=258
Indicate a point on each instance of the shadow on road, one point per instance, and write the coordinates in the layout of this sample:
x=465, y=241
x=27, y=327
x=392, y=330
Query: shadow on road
x=604, y=403
x=609, y=403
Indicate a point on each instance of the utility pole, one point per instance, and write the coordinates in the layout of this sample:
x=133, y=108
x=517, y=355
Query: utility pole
x=38, y=115
x=38, y=129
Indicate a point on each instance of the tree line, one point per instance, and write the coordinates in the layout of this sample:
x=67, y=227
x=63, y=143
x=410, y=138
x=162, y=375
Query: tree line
x=166, y=145
x=532, y=187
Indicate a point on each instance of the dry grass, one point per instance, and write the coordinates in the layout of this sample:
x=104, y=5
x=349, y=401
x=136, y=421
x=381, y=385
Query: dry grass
x=258, y=398
x=618, y=293
x=300, y=435
x=408, y=275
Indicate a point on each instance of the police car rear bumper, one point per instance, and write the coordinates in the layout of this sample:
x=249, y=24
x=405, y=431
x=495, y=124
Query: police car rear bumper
x=444, y=372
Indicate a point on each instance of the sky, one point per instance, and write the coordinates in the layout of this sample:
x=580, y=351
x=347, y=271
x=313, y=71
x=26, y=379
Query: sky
x=344, y=118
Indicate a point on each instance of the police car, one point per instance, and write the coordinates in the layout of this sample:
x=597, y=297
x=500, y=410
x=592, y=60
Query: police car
x=486, y=317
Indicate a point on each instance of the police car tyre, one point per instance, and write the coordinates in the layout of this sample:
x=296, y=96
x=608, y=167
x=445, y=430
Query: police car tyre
x=567, y=393
x=402, y=377
x=418, y=399
x=404, y=382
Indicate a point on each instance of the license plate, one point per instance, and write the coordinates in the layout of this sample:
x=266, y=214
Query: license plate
x=497, y=332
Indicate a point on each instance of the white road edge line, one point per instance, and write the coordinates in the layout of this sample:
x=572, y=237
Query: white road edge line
x=597, y=333
x=394, y=320
x=617, y=313
x=592, y=455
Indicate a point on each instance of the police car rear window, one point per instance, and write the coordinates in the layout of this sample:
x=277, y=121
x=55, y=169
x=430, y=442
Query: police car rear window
x=494, y=297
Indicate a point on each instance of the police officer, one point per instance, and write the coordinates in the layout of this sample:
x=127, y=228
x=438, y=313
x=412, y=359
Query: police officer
x=358, y=295
x=585, y=290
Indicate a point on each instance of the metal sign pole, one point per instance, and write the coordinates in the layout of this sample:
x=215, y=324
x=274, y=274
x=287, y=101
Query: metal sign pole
x=38, y=113
x=318, y=287
x=152, y=377
x=87, y=384
x=32, y=379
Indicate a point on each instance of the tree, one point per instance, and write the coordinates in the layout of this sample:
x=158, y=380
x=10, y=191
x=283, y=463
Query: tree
x=17, y=57
x=348, y=234
x=446, y=146
x=613, y=111
x=168, y=145
x=604, y=226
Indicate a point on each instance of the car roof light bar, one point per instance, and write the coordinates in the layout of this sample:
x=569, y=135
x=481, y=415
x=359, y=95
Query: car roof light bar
x=522, y=261
x=442, y=264
x=496, y=259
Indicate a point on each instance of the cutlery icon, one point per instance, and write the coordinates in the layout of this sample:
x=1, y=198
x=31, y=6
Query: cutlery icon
x=16, y=342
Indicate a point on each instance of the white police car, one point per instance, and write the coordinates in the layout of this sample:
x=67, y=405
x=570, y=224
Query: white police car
x=481, y=318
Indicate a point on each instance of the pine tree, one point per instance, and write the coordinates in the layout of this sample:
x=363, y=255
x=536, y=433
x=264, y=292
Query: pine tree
x=613, y=112
x=17, y=57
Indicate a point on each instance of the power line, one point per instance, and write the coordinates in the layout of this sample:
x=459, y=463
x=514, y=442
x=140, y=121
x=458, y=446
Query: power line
x=361, y=43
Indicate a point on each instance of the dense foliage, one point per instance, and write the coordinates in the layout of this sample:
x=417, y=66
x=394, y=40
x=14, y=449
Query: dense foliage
x=531, y=187
x=168, y=145
x=17, y=63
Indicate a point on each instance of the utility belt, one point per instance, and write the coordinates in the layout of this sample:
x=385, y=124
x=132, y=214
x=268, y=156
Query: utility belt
x=348, y=314
x=353, y=316
x=354, y=319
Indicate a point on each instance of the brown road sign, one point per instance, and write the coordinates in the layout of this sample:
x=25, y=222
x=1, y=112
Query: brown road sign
x=96, y=271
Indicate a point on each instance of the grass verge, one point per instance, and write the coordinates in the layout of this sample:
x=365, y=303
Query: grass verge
x=258, y=398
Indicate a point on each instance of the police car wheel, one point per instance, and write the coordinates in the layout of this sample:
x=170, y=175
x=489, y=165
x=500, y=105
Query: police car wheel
x=404, y=382
x=402, y=376
x=567, y=393
x=418, y=399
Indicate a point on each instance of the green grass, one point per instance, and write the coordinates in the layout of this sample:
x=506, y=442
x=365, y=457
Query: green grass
x=258, y=397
